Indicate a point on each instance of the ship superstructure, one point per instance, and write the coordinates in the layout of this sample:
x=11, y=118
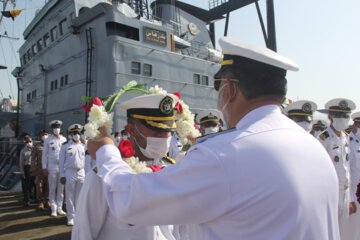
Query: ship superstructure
x=77, y=47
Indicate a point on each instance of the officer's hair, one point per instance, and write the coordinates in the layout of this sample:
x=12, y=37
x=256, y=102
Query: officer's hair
x=258, y=84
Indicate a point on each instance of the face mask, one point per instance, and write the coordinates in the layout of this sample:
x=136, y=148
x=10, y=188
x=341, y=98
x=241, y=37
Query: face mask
x=56, y=131
x=76, y=137
x=125, y=137
x=317, y=133
x=340, y=124
x=222, y=106
x=305, y=125
x=210, y=130
x=43, y=138
x=29, y=144
x=118, y=139
x=82, y=137
x=155, y=147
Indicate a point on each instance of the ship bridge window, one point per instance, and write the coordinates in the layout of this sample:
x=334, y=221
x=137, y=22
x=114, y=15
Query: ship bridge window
x=54, y=33
x=62, y=26
x=205, y=80
x=46, y=39
x=196, y=79
x=117, y=29
x=33, y=94
x=147, y=71
x=24, y=59
x=40, y=44
x=135, y=68
x=34, y=50
x=28, y=97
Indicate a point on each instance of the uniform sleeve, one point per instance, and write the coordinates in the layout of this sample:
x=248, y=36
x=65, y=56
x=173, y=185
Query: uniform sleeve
x=175, y=195
x=44, y=158
x=22, y=160
x=92, y=212
x=62, y=159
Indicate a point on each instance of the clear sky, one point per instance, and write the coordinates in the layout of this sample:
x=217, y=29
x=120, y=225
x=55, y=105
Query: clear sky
x=323, y=37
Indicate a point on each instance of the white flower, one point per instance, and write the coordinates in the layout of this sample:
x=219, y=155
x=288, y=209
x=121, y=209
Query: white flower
x=91, y=130
x=157, y=90
x=98, y=117
x=137, y=166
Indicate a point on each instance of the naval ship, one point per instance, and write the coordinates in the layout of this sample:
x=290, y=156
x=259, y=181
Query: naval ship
x=75, y=48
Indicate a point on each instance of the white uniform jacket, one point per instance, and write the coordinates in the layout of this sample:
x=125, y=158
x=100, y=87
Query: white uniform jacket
x=266, y=179
x=354, y=164
x=72, y=156
x=339, y=150
x=93, y=220
x=51, y=152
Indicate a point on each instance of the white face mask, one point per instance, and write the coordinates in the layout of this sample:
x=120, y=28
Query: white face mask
x=29, y=144
x=125, y=137
x=222, y=106
x=43, y=138
x=317, y=133
x=56, y=131
x=118, y=139
x=305, y=125
x=76, y=137
x=155, y=147
x=210, y=130
x=340, y=124
x=83, y=138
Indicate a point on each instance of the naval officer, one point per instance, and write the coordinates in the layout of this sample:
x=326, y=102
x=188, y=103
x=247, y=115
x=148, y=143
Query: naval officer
x=72, y=172
x=50, y=166
x=301, y=112
x=265, y=178
x=209, y=121
x=355, y=174
x=150, y=123
x=336, y=142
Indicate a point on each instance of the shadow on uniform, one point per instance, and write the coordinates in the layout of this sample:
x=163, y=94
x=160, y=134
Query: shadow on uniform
x=59, y=236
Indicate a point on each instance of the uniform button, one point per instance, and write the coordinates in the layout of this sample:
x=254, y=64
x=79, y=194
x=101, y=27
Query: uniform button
x=336, y=159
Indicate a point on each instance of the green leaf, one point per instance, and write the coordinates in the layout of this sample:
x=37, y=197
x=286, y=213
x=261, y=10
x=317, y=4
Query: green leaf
x=130, y=87
x=86, y=99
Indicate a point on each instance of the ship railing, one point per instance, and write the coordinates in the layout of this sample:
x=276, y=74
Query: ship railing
x=216, y=3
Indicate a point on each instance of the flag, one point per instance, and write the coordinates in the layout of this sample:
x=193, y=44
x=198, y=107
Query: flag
x=11, y=14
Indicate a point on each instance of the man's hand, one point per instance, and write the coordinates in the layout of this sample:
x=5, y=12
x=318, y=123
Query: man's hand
x=63, y=180
x=352, y=208
x=94, y=145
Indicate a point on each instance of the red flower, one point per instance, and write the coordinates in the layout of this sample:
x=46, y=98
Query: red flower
x=126, y=149
x=156, y=168
x=178, y=106
x=94, y=101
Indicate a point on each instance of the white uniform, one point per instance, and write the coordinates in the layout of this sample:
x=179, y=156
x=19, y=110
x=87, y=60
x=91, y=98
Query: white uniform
x=355, y=180
x=72, y=163
x=93, y=219
x=175, y=146
x=266, y=179
x=50, y=161
x=338, y=150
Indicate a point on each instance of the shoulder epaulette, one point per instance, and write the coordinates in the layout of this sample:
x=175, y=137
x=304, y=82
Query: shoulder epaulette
x=169, y=160
x=208, y=136
x=351, y=138
x=65, y=142
x=324, y=135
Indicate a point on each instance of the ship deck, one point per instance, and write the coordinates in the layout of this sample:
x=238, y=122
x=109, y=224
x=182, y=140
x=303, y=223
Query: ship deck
x=18, y=222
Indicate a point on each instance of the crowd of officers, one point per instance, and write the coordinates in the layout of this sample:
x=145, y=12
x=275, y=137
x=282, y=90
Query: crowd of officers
x=56, y=163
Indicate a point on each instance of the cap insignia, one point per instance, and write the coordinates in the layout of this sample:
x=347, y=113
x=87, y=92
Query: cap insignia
x=306, y=107
x=343, y=104
x=166, y=105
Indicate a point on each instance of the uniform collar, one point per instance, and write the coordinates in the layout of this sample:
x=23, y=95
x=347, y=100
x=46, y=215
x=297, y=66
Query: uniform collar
x=257, y=114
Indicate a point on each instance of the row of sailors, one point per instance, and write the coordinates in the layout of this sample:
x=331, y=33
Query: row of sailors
x=343, y=146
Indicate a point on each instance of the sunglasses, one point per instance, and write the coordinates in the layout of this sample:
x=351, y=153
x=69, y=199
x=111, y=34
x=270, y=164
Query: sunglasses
x=217, y=82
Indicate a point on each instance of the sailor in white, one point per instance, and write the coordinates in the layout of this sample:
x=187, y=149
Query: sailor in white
x=150, y=123
x=355, y=174
x=318, y=127
x=265, y=178
x=301, y=112
x=209, y=121
x=72, y=172
x=336, y=142
x=50, y=166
